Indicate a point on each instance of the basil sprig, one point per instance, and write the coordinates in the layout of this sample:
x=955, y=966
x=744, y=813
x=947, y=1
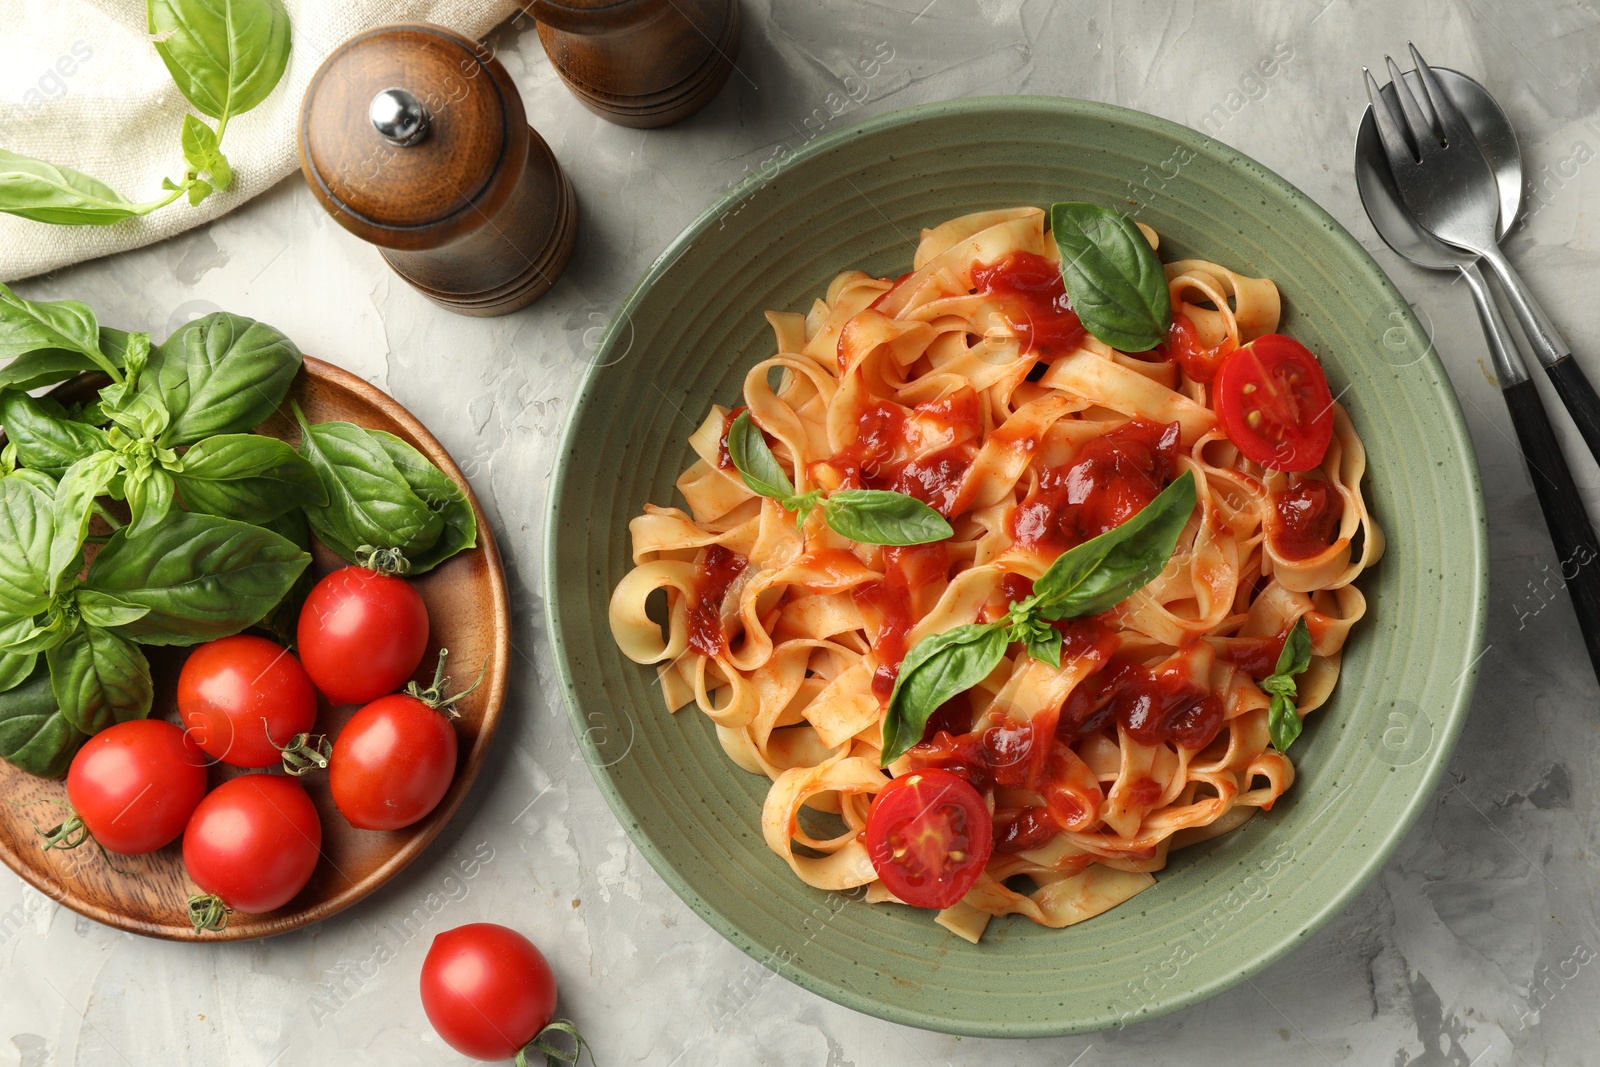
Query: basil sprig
x=1083, y=581
x=225, y=56
x=1116, y=284
x=867, y=516
x=1283, y=721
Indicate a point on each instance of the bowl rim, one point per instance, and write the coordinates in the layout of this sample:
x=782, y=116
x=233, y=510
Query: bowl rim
x=1458, y=703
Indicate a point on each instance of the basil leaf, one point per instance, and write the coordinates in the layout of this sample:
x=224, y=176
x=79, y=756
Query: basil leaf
x=201, y=577
x=369, y=501
x=103, y=609
x=220, y=374
x=1112, y=276
x=283, y=621
x=34, y=735
x=27, y=526
x=248, y=477
x=47, y=192
x=28, y=325
x=754, y=460
x=44, y=367
x=46, y=439
x=1106, y=570
x=149, y=494
x=1045, y=646
x=15, y=667
x=224, y=55
x=443, y=496
x=25, y=636
x=1283, y=722
x=73, y=506
x=99, y=679
x=879, y=517
x=1296, y=654
x=202, y=150
x=936, y=669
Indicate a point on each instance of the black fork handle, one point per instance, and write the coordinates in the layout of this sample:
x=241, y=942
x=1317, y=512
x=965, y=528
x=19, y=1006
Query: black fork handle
x=1577, y=550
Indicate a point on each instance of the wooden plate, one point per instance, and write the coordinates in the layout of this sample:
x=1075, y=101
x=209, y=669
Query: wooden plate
x=469, y=615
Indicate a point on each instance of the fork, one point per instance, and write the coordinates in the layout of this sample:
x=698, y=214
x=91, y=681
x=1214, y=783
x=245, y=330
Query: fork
x=1449, y=187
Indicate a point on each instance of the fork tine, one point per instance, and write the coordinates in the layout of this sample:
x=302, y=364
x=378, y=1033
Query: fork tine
x=1395, y=146
x=1452, y=123
x=1419, y=124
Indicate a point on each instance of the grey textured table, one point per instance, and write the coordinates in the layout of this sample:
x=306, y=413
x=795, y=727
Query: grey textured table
x=1474, y=945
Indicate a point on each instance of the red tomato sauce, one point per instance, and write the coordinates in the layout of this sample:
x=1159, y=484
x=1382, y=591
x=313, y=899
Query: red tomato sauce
x=1307, y=518
x=1183, y=345
x=714, y=572
x=906, y=569
x=871, y=460
x=1110, y=479
x=1034, y=302
x=1153, y=706
x=1255, y=656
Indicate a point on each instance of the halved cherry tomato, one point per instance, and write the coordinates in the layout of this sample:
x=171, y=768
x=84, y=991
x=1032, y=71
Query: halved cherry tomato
x=252, y=845
x=242, y=697
x=135, y=784
x=361, y=634
x=929, y=837
x=1274, y=403
x=487, y=990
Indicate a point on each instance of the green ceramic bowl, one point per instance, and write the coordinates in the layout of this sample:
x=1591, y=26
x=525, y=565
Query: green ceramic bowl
x=1367, y=762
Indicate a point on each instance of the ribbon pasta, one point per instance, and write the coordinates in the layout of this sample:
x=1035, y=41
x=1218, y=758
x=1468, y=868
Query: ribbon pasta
x=946, y=387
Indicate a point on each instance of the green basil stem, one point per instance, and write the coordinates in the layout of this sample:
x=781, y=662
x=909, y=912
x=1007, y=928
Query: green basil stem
x=1086, y=580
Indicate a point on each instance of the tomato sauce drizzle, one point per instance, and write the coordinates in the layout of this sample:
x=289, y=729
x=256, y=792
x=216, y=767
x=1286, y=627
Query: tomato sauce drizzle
x=884, y=435
x=1183, y=345
x=724, y=457
x=1154, y=707
x=714, y=572
x=1034, y=302
x=1255, y=656
x=905, y=570
x=1307, y=517
x=1111, y=478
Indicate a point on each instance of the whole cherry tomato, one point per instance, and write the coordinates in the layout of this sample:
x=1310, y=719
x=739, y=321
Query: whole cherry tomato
x=929, y=837
x=242, y=697
x=394, y=760
x=487, y=990
x=134, y=786
x=251, y=846
x=361, y=634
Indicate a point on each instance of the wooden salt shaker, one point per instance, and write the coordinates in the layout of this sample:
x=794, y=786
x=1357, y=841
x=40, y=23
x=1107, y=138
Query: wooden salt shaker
x=640, y=63
x=414, y=138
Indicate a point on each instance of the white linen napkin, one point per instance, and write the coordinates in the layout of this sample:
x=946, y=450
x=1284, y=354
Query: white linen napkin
x=81, y=85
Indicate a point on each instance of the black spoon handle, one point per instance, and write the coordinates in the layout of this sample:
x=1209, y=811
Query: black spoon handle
x=1577, y=550
x=1579, y=397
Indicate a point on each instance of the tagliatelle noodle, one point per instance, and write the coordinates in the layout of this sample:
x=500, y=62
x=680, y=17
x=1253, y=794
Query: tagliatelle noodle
x=796, y=640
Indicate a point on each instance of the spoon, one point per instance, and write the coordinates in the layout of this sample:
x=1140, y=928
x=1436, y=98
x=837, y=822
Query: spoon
x=1574, y=537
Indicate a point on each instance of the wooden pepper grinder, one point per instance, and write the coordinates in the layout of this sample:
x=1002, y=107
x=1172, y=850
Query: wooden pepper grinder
x=640, y=63
x=414, y=138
